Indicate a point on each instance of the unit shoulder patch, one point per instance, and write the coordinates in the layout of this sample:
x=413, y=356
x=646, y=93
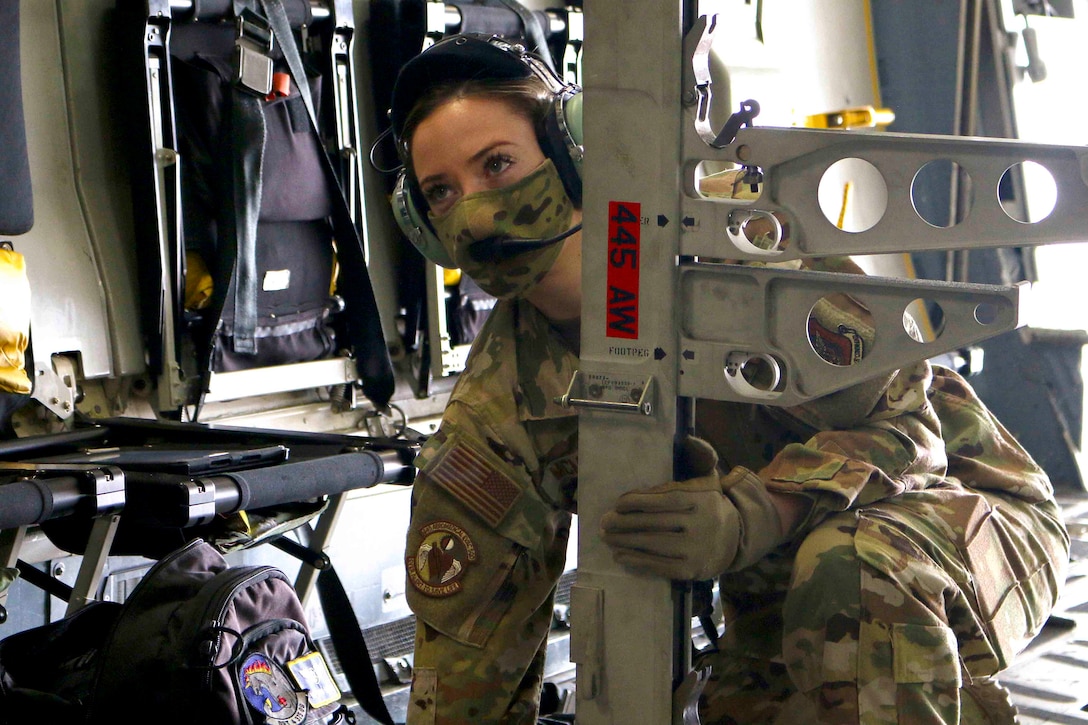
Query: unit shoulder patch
x=441, y=559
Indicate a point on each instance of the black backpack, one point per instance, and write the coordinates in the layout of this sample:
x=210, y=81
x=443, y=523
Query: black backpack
x=47, y=673
x=195, y=641
x=199, y=641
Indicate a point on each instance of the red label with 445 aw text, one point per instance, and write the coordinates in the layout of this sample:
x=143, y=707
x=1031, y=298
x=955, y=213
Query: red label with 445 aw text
x=624, y=236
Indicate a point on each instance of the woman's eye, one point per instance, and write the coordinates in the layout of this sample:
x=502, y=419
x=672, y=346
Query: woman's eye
x=497, y=164
x=436, y=194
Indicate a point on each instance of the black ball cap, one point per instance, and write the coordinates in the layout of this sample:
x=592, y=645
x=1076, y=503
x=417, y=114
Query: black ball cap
x=457, y=58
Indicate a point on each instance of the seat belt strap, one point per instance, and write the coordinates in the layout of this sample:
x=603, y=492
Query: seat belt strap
x=372, y=359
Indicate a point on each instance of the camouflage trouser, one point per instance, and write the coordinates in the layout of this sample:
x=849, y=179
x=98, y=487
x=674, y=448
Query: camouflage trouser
x=888, y=614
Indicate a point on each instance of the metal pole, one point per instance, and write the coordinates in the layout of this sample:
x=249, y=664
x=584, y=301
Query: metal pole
x=629, y=637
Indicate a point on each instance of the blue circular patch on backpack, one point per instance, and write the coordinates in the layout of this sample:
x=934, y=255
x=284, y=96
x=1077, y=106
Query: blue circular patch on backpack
x=269, y=691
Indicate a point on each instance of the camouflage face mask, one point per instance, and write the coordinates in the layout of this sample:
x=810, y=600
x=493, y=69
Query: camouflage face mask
x=536, y=207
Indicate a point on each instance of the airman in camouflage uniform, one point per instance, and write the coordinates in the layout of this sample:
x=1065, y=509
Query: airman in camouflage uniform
x=500, y=475
x=928, y=552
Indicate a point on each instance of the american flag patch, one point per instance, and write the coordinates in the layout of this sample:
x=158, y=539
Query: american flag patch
x=474, y=481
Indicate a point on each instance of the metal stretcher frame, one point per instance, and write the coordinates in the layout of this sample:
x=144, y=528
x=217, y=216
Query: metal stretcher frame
x=319, y=465
x=32, y=495
x=665, y=321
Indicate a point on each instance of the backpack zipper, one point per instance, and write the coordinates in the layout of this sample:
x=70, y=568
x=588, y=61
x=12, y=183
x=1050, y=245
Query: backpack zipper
x=231, y=581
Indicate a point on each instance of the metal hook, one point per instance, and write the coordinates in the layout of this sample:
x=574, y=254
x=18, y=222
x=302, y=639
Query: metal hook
x=748, y=111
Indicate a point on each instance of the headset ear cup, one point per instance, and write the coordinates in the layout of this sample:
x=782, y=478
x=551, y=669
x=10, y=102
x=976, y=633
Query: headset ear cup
x=563, y=142
x=572, y=112
x=408, y=206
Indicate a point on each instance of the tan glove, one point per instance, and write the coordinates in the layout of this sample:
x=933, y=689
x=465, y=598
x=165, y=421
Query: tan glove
x=697, y=528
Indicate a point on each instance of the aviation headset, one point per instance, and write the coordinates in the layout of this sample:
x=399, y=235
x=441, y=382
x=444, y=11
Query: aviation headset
x=465, y=57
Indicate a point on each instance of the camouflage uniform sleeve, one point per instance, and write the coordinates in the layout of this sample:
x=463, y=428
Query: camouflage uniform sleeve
x=982, y=454
x=909, y=430
x=897, y=448
x=483, y=555
x=928, y=425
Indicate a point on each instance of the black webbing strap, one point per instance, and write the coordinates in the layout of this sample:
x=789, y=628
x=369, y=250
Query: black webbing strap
x=350, y=645
x=248, y=135
x=347, y=636
x=17, y=201
x=364, y=323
